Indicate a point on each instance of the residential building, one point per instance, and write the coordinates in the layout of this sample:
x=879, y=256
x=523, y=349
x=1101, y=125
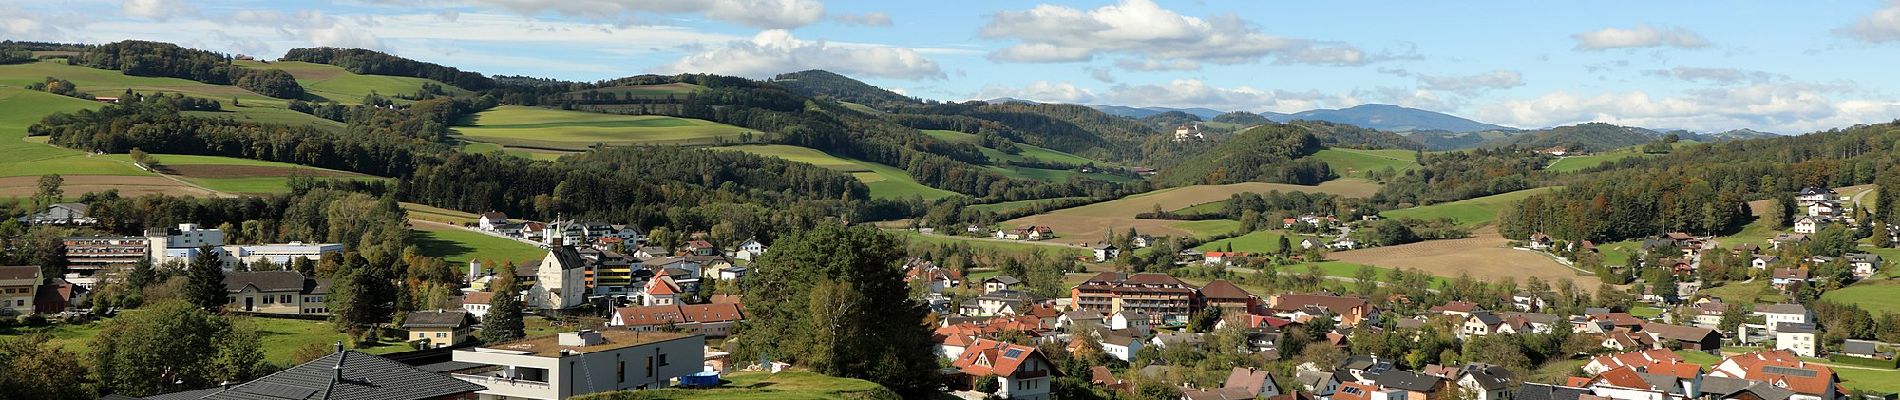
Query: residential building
x=1348, y=311
x=89, y=256
x=749, y=250
x=1810, y=195
x=1485, y=381
x=437, y=329
x=1865, y=265
x=1808, y=225
x=1774, y=315
x=1188, y=133
x=276, y=292
x=56, y=296
x=1022, y=372
x=1004, y=302
x=1685, y=337
x=1122, y=344
x=1866, y=349
x=340, y=375
x=574, y=364
x=181, y=244
x=19, y=289
x=1798, y=338
x=61, y=214
x=661, y=291
x=280, y=254
x=1001, y=283
x=492, y=220
x=1252, y=382
x=1164, y=299
x=1828, y=208
x=1785, y=277
x=560, y=281
x=1106, y=251
x=1234, y=303
x=709, y=320
x=1416, y=386
x=476, y=303
x=1781, y=368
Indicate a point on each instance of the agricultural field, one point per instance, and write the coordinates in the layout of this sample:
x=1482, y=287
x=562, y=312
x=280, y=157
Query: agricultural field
x=1008, y=206
x=648, y=91
x=1357, y=162
x=1257, y=242
x=1470, y=212
x=459, y=246
x=998, y=245
x=1028, y=152
x=1209, y=227
x=237, y=103
x=438, y=215
x=532, y=154
x=885, y=182
x=324, y=82
x=20, y=108
x=1088, y=223
x=239, y=175
x=545, y=128
x=1485, y=255
x=1578, y=163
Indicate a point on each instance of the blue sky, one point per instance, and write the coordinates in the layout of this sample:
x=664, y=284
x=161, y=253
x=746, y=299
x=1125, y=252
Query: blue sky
x=1786, y=67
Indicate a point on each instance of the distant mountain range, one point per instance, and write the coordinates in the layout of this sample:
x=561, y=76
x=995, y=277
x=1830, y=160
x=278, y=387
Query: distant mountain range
x=1144, y=112
x=1392, y=118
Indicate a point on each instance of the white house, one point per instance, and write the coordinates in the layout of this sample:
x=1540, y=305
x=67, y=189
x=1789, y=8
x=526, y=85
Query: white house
x=1021, y=372
x=490, y=221
x=1807, y=225
x=749, y=250
x=1106, y=251
x=1825, y=209
x=1121, y=344
x=1000, y=283
x=1798, y=338
x=1811, y=195
x=1776, y=314
x=1865, y=265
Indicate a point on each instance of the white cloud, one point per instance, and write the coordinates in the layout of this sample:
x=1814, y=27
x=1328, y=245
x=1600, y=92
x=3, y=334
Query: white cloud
x=1881, y=26
x=156, y=9
x=1054, y=33
x=777, y=51
x=1158, y=65
x=1473, y=84
x=1101, y=74
x=1040, y=91
x=1788, y=108
x=1642, y=36
x=1178, y=93
x=766, y=14
x=1719, y=75
x=865, y=19
x=313, y=27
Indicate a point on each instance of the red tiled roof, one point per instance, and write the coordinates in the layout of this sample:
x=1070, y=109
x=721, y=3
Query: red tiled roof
x=1623, y=377
x=662, y=285
x=477, y=297
x=1221, y=289
x=987, y=357
x=1780, y=368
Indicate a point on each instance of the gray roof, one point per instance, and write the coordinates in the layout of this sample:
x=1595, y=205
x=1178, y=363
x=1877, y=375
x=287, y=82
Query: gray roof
x=1004, y=279
x=1723, y=387
x=343, y=375
x=1487, y=318
x=1491, y=377
x=1782, y=308
x=1408, y=381
x=1856, y=346
x=436, y=319
x=1790, y=327
x=1313, y=380
x=567, y=257
x=275, y=281
x=1539, y=391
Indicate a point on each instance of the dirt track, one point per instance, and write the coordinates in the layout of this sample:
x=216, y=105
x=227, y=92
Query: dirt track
x=27, y=186
x=1485, y=255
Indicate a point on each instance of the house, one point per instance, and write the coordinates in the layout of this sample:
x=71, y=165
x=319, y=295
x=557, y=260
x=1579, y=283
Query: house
x=1809, y=381
x=1101, y=376
x=560, y=280
x=1031, y=232
x=1481, y=323
x=1310, y=243
x=1233, y=302
x=1539, y=241
x=341, y=375
x=661, y=291
x=279, y=253
x=1685, y=337
x=573, y=364
x=1161, y=298
x=1022, y=372
x=1559, y=151
x=1866, y=349
x=1321, y=383
x=1762, y=262
x=1343, y=243
x=1784, y=313
x=1865, y=265
x=1621, y=340
x=476, y=303
x=1825, y=208
x=1811, y=195
x=56, y=296
x=1165, y=339
x=1348, y=311
x=1707, y=313
x=1797, y=338
x=1646, y=359
x=700, y=248
x=1460, y=309
x=1222, y=257
x=19, y=289
x=749, y=250
x=1188, y=133
x=1131, y=320
x=1415, y=385
x=1808, y=225
x=1251, y=382
x=276, y=292
x=1142, y=241
x=709, y=320
x=492, y=221
x=61, y=214
x=1080, y=321
x=935, y=279
x=1002, y=302
x=1000, y=283
x=438, y=329
x=1106, y=251
x=1785, y=277
x=1121, y=344
x=1485, y=381
x=1540, y=391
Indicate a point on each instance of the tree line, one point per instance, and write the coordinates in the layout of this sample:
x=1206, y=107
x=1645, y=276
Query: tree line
x=372, y=62
x=143, y=58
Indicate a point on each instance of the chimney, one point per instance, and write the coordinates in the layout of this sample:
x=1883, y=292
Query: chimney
x=338, y=369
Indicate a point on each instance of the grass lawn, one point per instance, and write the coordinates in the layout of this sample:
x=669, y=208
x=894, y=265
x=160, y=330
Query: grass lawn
x=1874, y=295
x=1356, y=162
x=1209, y=227
x=1256, y=242
x=1001, y=246
x=1578, y=163
x=443, y=215
x=280, y=336
x=532, y=154
x=1646, y=312
x=522, y=126
x=1698, y=357
x=101, y=82
x=333, y=83
x=458, y=246
x=1738, y=292
x=661, y=90
x=885, y=182
x=1028, y=150
x=1008, y=206
x=787, y=385
x=1203, y=208
x=258, y=184
x=1467, y=212
x=20, y=108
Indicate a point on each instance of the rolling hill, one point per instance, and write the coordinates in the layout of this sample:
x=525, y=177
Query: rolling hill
x=1389, y=118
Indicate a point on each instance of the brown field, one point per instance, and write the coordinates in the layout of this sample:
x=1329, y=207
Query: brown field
x=1185, y=196
x=27, y=186
x=1089, y=222
x=209, y=171
x=1485, y=255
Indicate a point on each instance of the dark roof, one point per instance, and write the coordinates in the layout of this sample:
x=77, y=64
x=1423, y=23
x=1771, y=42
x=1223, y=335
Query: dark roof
x=567, y=257
x=1852, y=346
x=343, y=375
x=436, y=319
x=1004, y=279
x=1224, y=290
x=1539, y=391
x=19, y=272
x=1491, y=377
x=275, y=281
x=1408, y=381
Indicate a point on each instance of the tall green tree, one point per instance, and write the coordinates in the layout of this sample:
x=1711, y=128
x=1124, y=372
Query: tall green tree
x=864, y=326
x=33, y=368
x=204, y=285
x=50, y=188
x=172, y=346
x=503, y=321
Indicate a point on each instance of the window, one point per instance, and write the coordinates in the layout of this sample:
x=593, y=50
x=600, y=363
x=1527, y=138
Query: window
x=620, y=370
x=267, y=299
x=441, y=334
x=284, y=299
x=663, y=360
x=649, y=366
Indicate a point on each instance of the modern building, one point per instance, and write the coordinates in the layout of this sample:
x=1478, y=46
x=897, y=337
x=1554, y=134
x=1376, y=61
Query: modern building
x=18, y=288
x=89, y=257
x=276, y=292
x=181, y=244
x=580, y=363
x=1164, y=299
x=280, y=254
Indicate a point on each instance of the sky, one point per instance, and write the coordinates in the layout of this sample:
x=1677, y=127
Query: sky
x=1778, y=66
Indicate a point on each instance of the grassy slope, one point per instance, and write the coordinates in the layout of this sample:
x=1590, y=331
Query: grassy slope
x=1568, y=164
x=1015, y=205
x=1029, y=151
x=1356, y=162
x=19, y=109
x=333, y=83
x=458, y=246
x=789, y=385
x=885, y=182
x=1003, y=246
x=1466, y=212
x=442, y=215
x=576, y=130
x=250, y=106
x=281, y=337
x=1256, y=242
x=255, y=184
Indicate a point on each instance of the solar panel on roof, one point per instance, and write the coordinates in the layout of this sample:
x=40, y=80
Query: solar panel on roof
x=1013, y=353
x=1788, y=371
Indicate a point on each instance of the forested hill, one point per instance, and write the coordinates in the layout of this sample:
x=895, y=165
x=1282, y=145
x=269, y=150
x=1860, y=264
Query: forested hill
x=1354, y=136
x=1267, y=153
x=1593, y=136
x=371, y=62
x=816, y=83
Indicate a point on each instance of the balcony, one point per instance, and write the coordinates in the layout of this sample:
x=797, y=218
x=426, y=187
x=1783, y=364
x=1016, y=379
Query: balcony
x=509, y=387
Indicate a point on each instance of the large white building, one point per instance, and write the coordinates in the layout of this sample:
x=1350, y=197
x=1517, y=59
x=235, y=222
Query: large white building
x=561, y=281
x=280, y=254
x=580, y=363
x=182, y=243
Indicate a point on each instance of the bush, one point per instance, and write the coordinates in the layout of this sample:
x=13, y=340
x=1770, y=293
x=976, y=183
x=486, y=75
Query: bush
x=273, y=83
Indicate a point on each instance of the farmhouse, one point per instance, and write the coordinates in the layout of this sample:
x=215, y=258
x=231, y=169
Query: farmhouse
x=492, y=221
x=19, y=286
x=1808, y=225
x=438, y=329
x=1865, y=265
x=1810, y=195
